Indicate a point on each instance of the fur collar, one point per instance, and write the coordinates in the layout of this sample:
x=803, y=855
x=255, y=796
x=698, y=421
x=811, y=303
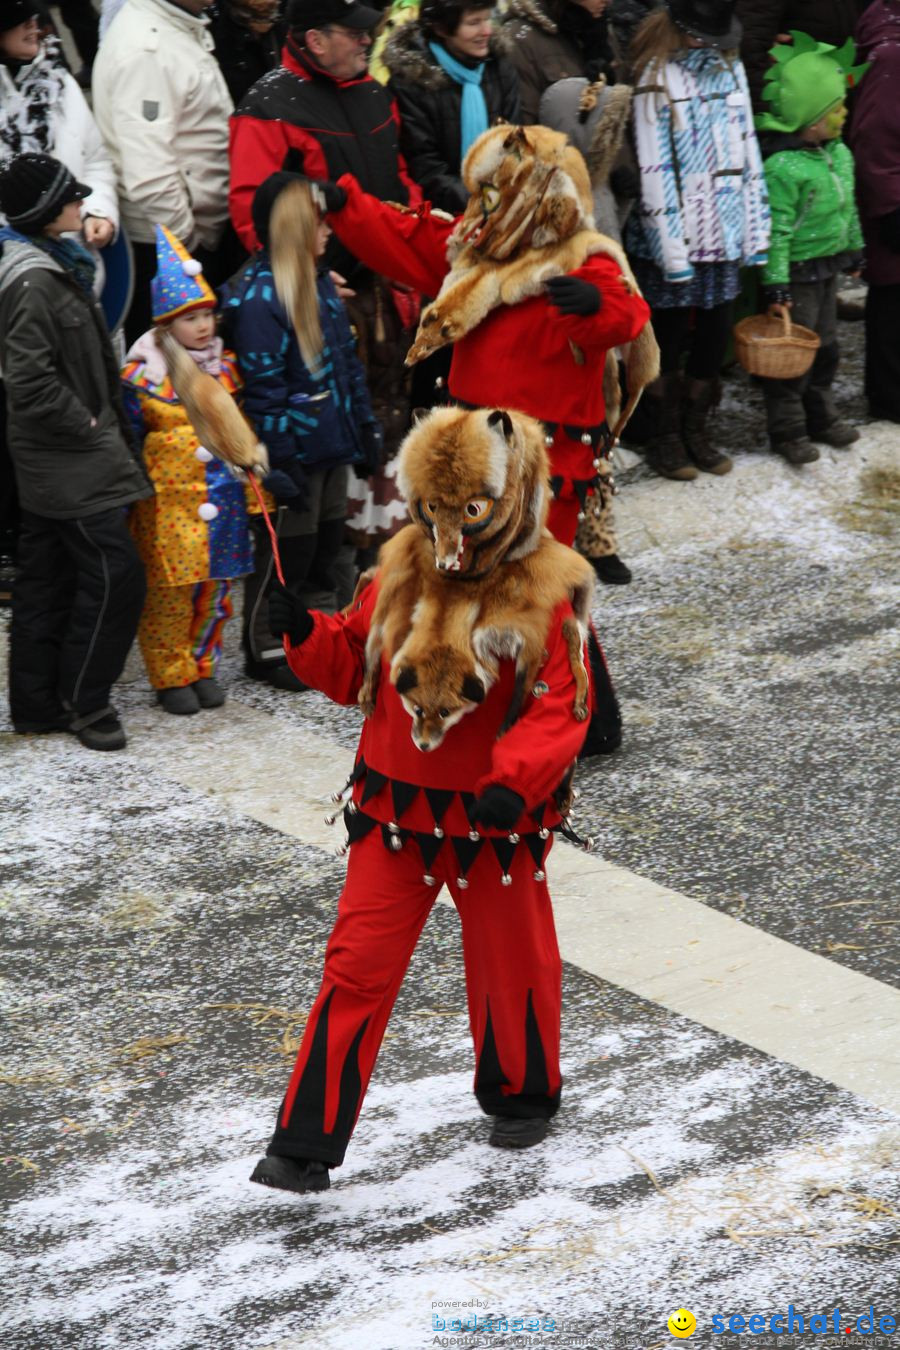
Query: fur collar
x=530, y=11
x=406, y=57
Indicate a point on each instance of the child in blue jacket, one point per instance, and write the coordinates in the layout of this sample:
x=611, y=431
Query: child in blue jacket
x=306, y=395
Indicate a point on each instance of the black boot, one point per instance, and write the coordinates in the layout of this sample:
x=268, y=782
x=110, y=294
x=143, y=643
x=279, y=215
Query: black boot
x=611, y=570
x=291, y=1174
x=665, y=452
x=511, y=1132
x=701, y=396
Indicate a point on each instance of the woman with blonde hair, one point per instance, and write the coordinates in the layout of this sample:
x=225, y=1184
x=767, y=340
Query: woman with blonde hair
x=702, y=214
x=305, y=393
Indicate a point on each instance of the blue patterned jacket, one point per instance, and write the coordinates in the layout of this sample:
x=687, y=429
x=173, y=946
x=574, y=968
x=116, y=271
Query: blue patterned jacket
x=703, y=192
x=311, y=420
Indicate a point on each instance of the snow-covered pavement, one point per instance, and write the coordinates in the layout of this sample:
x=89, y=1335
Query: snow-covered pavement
x=165, y=914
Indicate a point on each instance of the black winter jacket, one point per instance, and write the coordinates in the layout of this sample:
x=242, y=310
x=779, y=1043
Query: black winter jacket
x=67, y=432
x=430, y=102
x=825, y=20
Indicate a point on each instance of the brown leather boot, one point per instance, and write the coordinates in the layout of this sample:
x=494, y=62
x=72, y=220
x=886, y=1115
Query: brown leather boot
x=701, y=396
x=665, y=452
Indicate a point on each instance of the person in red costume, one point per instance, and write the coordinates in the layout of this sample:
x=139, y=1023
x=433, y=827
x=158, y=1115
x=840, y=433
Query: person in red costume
x=534, y=301
x=458, y=802
x=532, y=298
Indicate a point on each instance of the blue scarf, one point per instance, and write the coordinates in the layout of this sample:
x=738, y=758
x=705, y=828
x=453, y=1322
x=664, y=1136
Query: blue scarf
x=76, y=260
x=473, y=113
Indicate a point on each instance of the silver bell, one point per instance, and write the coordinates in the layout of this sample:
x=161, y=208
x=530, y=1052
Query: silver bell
x=474, y=836
x=352, y=808
x=439, y=382
x=589, y=843
x=543, y=833
x=330, y=819
x=396, y=842
x=338, y=796
x=540, y=875
x=429, y=880
x=585, y=438
x=462, y=883
x=341, y=850
x=548, y=440
x=438, y=832
x=597, y=463
x=581, y=515
x=513, y=837
x=393, y=827
x=506, y=879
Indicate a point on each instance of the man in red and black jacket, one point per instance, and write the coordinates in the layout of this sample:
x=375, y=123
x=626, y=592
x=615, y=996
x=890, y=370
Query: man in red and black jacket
x=321, y=112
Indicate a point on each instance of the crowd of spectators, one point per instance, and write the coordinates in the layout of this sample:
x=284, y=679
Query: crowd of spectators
x=192, y=117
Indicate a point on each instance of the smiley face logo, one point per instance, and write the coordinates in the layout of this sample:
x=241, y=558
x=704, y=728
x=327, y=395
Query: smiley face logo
x=682, y=1323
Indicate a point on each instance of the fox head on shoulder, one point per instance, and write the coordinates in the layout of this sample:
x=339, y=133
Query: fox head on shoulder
x=437, y=692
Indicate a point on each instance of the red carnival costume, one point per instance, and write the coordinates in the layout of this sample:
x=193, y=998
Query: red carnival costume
x=473, y=813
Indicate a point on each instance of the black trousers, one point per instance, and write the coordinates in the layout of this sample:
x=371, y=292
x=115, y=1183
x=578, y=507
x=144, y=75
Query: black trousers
x=883, y=351
x=77, y=599
x=705, y=344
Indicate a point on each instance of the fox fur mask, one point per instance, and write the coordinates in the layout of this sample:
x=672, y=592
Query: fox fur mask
x=476, y=578
x=476, y=486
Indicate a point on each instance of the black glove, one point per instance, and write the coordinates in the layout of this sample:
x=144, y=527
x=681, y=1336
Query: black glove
x=497, y=807
x=889, y=230
x=625, y=181
x=571, y=295
x=334, y=197
x=372, y=456
x=288, y=616
x=288, y=489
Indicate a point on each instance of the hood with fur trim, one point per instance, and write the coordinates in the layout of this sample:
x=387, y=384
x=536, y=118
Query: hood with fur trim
x=593, y=116
x=530, y=11
x=408, y=57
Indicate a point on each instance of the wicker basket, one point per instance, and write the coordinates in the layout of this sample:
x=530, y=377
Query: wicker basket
x=775, y=348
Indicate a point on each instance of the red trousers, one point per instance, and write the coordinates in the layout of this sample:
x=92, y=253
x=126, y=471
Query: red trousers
x=513, y=985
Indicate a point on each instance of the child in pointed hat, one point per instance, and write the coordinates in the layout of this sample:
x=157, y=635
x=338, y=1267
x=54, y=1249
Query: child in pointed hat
x=816, y=233
x=193, y=535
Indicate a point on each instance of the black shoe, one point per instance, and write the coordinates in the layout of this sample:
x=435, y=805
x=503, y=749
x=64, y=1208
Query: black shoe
x=838, y=434
x=798, y=451
x=611, y=570
x=181, y=701
x=210, y=693
x=602, y=739
x=100, y=730
x=511, y=1132
x=291, y=1174
x=276, y=673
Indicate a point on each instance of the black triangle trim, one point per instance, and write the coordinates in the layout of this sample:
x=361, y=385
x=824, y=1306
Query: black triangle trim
x=375, y=781
x=466, y=850
x=581, y=486
x=439, y=799
x=537, y=815
x=429, y=847
x=358, y=825
x=468, y=801
x=359, y=770
x=403, y=795
x=536, y=1082
x=505, y=852
x=537, y=847
x=556, y=483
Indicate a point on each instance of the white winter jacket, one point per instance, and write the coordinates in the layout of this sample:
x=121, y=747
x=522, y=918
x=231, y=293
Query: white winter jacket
x=74, y=137
x=163, y=107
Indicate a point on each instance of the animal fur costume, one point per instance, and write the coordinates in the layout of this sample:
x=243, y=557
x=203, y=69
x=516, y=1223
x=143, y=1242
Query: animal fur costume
x=529, y=219
x=468, y=621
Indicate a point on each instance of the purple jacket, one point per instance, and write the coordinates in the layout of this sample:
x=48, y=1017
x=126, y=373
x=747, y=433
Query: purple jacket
x=875, y=134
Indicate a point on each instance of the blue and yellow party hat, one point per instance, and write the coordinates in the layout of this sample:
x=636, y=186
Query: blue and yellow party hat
x=179, y=285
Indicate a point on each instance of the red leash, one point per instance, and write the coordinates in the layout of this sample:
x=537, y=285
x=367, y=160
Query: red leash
x=251, y=478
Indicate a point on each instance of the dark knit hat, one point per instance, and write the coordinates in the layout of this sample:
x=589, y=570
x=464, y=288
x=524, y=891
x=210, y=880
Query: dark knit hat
x=14, y=12
x=34, y=189
x=713, y=21
x=264, y=200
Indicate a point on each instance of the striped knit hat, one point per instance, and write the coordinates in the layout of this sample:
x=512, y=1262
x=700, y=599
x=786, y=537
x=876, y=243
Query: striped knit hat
x=34, y=189
x=179, y=285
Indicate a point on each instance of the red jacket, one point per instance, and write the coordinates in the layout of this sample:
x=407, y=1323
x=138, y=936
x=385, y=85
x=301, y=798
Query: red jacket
x=331, y=126
x=520, y=356
x=531, y=759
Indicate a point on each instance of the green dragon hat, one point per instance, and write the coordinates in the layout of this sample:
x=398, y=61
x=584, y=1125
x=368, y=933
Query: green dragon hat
x=808, y=78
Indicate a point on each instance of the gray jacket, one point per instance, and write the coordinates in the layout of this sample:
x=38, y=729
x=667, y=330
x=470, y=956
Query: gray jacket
x=67, y=434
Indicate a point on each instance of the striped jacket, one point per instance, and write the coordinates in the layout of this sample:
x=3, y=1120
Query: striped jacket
x=703, y=192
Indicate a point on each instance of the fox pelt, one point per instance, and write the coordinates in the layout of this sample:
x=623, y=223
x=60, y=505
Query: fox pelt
x=218, y=422
x=529, y=218
x=476, y=578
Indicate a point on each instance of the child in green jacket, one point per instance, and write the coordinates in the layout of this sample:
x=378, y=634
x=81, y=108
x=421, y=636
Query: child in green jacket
x=815, y=231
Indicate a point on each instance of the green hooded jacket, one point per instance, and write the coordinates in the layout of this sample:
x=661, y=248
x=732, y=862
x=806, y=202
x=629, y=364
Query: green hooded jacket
x=813, y=206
